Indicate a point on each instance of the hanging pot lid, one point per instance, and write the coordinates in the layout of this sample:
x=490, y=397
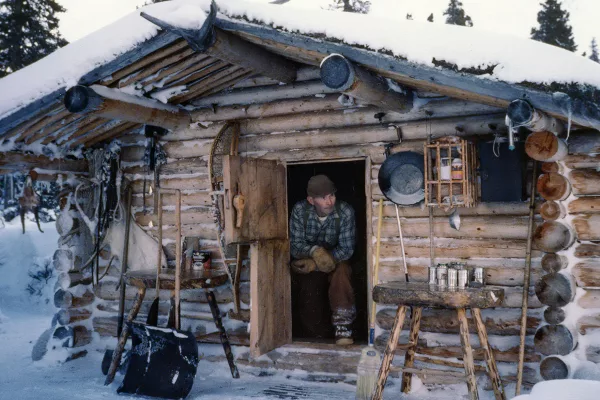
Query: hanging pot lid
x=401, y=178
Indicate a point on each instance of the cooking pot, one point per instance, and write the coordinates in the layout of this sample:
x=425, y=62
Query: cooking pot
x=401, y=178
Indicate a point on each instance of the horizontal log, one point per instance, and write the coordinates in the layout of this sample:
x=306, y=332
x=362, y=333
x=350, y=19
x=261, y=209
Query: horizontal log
x=197, y=199
x=189, y=310
x=587, y=227
x=556, y=290
x=193, y=215
x=587, y=273
x=550, y=167
x=576, y=161
x=585, y=205
x=73, y=336
x=62, y=260
x=586, y=142
x=553, y=186
x=501, y=322
x=590, y=299
x=554, y=339
x=588, y=324
x=585, y=182
x=186, y=166
x=194, y=183
x=19, y=162
x=500, y=276
x=71, y=279
x=552, y=210
x=471, y=227
x=206, y=231
x=457, y=248
x=552, y=262
x=554, y=367
x=66, y=299
x=587, y=250
x=72, y=315
x=481, y=209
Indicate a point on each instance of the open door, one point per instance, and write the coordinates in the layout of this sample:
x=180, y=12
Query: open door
x=262, y=222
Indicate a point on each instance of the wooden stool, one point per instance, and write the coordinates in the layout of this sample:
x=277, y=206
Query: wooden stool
x=419, y=295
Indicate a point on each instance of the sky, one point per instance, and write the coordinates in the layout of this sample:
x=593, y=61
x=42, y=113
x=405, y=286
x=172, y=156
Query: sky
x=513, y=17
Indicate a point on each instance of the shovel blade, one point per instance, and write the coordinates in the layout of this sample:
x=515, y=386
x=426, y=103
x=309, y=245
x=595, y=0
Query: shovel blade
x=163, y=363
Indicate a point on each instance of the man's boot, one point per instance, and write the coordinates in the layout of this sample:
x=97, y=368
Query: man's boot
x=343, y=335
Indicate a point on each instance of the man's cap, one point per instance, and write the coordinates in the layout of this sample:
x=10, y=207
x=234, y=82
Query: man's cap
x=320, y=186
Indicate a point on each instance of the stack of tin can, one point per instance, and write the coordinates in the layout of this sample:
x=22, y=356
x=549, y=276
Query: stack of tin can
x=455, y=276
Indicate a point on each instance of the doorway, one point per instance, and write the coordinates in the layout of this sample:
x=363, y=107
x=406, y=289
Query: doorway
x=349, y=178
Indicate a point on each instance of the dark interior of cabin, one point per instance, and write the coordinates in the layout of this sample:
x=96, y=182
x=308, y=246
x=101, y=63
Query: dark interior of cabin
x=349, y=178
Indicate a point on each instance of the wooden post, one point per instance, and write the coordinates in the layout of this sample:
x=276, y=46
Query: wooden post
x=488, y=355
x=467, y=354
x=413, y=338
x=339, y=73
x=388, y=356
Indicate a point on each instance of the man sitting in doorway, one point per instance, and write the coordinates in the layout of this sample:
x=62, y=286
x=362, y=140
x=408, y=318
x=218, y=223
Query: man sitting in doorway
x=322, y=238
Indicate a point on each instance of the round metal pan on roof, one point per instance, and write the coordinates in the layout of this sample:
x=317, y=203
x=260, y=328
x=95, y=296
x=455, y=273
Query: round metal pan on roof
x=401, y=178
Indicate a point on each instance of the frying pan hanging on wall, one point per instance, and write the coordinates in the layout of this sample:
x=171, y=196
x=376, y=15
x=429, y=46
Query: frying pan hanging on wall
x=401, y=178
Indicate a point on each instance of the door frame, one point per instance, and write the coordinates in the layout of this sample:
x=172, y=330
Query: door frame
x=369, y=215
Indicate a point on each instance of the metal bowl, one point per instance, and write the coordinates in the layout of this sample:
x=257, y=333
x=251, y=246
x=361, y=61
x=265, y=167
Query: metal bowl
x=401, y=178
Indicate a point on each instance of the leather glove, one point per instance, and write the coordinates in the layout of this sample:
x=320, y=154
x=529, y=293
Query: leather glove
x=324, y=260
x=303, y=266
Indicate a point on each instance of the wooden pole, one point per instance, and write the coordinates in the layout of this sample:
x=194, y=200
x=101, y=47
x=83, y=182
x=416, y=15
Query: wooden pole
x=177, y=259
x=526, y=280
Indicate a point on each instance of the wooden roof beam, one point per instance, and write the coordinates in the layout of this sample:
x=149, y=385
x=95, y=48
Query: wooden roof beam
x=101, y=101
x=231, y=48
x=339, y=73
x=19, y=162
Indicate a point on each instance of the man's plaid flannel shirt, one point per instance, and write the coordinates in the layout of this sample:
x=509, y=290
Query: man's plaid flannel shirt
x=322, y=234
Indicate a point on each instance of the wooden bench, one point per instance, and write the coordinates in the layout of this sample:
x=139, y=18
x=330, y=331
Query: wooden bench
x=419, y=295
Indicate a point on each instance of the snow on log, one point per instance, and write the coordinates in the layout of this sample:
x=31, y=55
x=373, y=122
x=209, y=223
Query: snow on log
x=553, y=186
x=587, y=227
x=554, y=315
x=71, y=279
x=109, y=103
x=340, y=74
x=551, y=210
x=66, y=299
x=552, y=262
x=554, y=339
x=556, y=290
x=552, y=236
x=545, y=146
x=585, y=182
x=62, y=260
x=70, y=316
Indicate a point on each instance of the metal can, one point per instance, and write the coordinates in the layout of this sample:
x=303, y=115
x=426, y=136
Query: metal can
x=443, y=283
x=463, y=278
x=432, y=275
x=201, y=260
x=478, y=275
x=442, y=274
x=452, y=277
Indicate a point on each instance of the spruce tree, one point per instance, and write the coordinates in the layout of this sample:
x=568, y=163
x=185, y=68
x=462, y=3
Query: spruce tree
x=356, y=6
x=594, y=56
x=28, y=32
x=456, y=15
x=554, y=26
x=430, y=18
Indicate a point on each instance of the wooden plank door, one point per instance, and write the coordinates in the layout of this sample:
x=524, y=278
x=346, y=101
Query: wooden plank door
x=262, y=184
x=270, y=291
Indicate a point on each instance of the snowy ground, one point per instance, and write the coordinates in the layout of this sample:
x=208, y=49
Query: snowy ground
x=23, y=317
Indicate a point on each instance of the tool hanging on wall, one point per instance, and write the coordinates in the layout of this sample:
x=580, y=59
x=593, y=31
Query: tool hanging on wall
x=154, y=158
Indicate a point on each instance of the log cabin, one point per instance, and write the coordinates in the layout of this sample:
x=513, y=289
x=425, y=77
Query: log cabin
x=326, y=95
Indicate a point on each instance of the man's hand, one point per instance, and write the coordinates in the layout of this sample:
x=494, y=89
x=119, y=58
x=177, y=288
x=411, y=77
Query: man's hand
x=324, y=260
x=303, y=266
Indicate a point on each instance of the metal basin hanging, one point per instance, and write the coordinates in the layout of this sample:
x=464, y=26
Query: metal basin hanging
x=401, y=178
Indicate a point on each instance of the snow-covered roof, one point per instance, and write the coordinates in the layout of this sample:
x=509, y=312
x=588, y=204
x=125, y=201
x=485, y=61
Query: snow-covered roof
x=486, y=55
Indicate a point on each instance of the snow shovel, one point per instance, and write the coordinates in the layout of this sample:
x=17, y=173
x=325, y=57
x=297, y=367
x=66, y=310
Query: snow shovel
x=162, y=361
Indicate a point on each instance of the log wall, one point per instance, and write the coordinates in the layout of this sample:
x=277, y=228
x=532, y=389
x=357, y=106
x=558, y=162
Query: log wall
x=314, y=126
x=571, y=283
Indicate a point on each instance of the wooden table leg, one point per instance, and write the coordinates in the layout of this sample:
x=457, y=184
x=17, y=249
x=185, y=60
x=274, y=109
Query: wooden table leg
x=116, y=359
x=489, y=355
x=467, y=353
x=388, y=356
x=413, y=338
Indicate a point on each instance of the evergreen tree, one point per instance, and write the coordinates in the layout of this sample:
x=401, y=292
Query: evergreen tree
x=430, y=18
x=456, y=15
x=28, y=32
x=594, y=56
x=357, y=6
x=554, y=26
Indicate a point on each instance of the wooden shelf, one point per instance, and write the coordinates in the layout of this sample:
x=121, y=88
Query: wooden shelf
x=451, y=173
